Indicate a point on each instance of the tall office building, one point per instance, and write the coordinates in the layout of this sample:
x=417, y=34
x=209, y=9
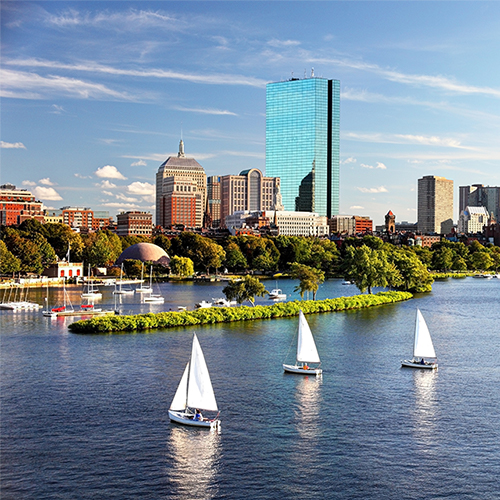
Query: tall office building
x=303, y=142
x=181, y=186
x=479, y=195
x=435, y=205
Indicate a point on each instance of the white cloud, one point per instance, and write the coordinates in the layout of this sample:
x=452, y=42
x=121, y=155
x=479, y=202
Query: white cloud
x=120, y=206
x=107, y=193
x=404, y=139
x=141, y=188
x=380, y=189
x=107, y=185
x=46, y=193
x=348, y=160
x=30, y=85
x=205, y=111
x=92, y=67
x=140, y=163
x=356, y=207
x=46, y=182
x=121, y=196
x=283, y=43
x=379, y=165
x=57, y=110
x=110, y=172
x=80, y=176
x=28, y=183
x=12, y=145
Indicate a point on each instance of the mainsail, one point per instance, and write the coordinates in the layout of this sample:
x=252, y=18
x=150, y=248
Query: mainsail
x=306, y=347
x=423, y=347
x=180, y=398
x=200, y=393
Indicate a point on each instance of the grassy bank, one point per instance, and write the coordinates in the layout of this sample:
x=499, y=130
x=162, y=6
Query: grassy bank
x=141, y=322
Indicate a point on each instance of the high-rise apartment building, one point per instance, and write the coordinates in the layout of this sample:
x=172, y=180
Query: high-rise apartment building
x=251, y=191
x=175, y=198
x=303, y=142
x=435, y=205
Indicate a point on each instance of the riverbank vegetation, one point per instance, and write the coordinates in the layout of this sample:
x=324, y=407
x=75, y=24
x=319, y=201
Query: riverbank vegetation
x=368, y=261
x=146, y=322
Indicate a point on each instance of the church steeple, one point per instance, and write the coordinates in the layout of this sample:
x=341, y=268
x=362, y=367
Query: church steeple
x=181, y=154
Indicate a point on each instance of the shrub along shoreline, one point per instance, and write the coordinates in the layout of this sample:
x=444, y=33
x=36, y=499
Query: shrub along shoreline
x=151, y=321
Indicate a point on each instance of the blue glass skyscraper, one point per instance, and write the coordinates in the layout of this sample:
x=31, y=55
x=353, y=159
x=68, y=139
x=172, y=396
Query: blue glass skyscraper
x=303, y=142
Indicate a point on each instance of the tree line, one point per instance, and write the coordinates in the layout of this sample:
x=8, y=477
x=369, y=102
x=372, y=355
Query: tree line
x=368, y=262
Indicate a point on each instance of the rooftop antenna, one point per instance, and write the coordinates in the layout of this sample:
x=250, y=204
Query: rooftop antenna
x=305, y=73
x=312, y=72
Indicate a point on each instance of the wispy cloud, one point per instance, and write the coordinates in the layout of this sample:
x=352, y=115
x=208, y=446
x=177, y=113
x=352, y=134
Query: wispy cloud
x=12, y=145
x=24, y=85
x=434, y=81
x=28, y=183
x=379, y=165
x=80, y=176
x=403, y=139
x=205, y=111
x=109, y=172
x=57, y=110
x=348, y=160
x=283, y=43
x=356, y=207
x=380, y=189
x=92, y=67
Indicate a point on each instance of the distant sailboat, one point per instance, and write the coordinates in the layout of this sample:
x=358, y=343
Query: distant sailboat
x=154, y=298
x=120, y=290
x=306, y=351
x=142, y=288
x=92, y=292
x=194, y=393
x=422, y=347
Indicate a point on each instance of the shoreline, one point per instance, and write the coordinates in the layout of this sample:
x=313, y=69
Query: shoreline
x=172, y=319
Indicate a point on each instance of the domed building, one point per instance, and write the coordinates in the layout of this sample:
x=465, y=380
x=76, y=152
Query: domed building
x=145, y=252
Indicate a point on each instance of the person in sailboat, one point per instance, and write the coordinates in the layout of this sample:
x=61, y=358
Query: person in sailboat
x=197, y=415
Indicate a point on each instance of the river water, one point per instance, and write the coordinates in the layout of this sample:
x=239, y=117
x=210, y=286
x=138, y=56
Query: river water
x=85, y=416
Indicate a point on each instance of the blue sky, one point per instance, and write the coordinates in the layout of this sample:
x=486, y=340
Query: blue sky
x=96, y=95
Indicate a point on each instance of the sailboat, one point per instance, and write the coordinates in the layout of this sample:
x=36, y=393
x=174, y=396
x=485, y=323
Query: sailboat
x=92, y=291
x=142, y=288
x=194, y=393
x=120, y=290
x=154, y=298
x=422, y=347
x=306, y=350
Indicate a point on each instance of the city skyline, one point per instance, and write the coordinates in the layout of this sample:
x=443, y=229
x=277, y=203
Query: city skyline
x=96, y=95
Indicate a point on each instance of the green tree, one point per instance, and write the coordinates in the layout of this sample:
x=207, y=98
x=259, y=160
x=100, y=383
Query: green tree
x=309, y=279
x=246, y=289
x=163, y=242
x=481, y=260
x=368, y=268
x=442, y=259
x=8, y=262
x=234, y=258
x=413, y=275
x=181, y=266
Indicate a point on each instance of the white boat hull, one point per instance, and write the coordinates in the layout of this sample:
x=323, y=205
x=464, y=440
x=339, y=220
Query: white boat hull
x=187, y=419
x=410, y=363
x=301, y=370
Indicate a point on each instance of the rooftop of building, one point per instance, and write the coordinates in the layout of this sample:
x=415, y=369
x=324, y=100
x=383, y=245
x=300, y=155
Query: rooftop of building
x=181, y=162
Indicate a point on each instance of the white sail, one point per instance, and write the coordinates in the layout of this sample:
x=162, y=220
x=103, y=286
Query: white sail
x=423, y=347
x=200, y=392
x=180, y=398
x=306, y=347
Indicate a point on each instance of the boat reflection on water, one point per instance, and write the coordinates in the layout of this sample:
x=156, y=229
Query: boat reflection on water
x=424, y=410
x=307, y=411
x=194, y=455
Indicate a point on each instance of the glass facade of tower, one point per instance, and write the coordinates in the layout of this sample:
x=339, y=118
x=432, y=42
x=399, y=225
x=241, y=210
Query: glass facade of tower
x=303, y=138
